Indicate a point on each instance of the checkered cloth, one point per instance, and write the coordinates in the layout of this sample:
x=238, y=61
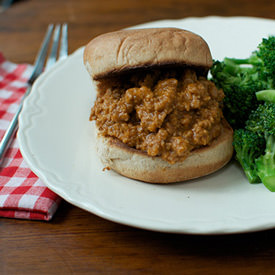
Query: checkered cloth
x=22, y=194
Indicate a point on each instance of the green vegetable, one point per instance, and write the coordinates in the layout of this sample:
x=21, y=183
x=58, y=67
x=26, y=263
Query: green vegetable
x=266, y=57
x=240, y=79
x=266, y=164
x=262, y=122
x=248, y=146
x=249, y=106
x=266, y=95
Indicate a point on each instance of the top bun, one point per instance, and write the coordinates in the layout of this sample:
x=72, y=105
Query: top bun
x=138, y=48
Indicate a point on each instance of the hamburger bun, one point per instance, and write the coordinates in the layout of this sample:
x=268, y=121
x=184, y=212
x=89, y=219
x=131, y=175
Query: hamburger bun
x=115, y=52
x=138, y=165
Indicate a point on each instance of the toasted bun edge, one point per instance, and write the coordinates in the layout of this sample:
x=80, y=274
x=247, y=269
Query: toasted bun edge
x=138, y=165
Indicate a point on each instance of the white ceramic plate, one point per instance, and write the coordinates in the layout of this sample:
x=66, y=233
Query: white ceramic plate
x=56, y=139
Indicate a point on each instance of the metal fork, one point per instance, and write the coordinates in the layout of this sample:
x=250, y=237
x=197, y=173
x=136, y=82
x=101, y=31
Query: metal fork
x=59, y=41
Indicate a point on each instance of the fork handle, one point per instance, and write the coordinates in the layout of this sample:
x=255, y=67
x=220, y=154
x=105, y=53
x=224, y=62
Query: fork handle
x=7, y=138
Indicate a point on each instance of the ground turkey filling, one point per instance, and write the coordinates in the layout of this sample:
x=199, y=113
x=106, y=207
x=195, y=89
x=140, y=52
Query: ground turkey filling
x=166, y=114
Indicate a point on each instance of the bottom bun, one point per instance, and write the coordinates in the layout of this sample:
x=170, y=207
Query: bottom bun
x=138, y=165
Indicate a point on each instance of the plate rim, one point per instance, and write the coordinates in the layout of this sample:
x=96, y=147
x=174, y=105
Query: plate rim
x=41, y=172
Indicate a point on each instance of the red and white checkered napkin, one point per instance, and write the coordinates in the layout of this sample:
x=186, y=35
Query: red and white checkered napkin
x=22, y=194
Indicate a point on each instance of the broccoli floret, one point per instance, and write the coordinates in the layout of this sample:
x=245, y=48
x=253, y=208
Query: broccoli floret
x=262, y=122
x=248, y=146
x=262, y=61
x=240, y=79
x=239, y=88
x=266, y=54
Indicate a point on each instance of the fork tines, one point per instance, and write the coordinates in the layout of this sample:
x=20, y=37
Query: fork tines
x=38, y=68
x=57, y=42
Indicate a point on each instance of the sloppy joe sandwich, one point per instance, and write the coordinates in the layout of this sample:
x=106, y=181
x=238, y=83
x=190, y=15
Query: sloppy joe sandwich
x=158, y=118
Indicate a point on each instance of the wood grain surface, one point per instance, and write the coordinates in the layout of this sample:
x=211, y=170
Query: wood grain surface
x=77, y=242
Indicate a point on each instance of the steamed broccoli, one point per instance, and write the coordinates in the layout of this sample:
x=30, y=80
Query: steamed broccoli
x=266, y=95
x=262, y=61
x=262, y=123
x=262, y=120
x=248, y=146
x=265, y=57
x=266, y=164
x=240, y=79
x=246, y=84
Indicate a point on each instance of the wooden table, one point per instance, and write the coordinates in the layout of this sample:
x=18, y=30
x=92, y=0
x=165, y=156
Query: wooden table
x=76, y=241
